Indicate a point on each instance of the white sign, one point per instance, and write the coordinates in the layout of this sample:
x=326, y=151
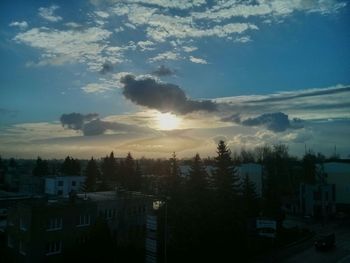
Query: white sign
x=266, y=223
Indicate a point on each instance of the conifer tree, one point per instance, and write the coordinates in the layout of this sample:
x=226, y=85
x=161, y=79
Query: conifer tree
x=41, y=168
x=92, y=173
x=226, y=180
x=249, y=198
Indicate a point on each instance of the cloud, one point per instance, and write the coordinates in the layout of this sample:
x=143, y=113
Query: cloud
x=243, y=39
x=198, y=60
x=96, y=87
x=189, y=48
x=48, y=13
x=107, y=67
x=168, y=55
x=162, y=71
x=306, y=93
x=276, y=122
x=161, y=96
x=102, y=14
x=310, y=104
x=76, y=121
x=91, y=125
x=88, y=46
x=146, y=45
x=21, y=25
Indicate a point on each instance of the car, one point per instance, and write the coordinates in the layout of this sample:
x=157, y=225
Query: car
x=325, y=241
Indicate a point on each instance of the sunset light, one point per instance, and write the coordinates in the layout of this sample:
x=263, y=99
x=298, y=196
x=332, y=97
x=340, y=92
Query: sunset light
x=167, y=121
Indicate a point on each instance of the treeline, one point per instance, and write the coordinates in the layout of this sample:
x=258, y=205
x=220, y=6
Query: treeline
x=208, y=213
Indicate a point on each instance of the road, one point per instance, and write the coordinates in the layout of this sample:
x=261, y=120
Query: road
x=339, y=254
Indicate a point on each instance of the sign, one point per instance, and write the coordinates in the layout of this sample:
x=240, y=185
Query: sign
x=266, y=227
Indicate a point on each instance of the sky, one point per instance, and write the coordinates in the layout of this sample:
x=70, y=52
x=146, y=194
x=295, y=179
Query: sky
x=151, y=77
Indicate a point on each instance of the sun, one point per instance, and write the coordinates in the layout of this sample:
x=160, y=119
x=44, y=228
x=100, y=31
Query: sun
x=167, y=121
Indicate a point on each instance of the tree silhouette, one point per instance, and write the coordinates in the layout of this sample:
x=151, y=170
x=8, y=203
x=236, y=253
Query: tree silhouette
x=226, y=180
x=109, y=168
x=41, y=168
x=92, y=173
x=250, y=202
x=70, y=166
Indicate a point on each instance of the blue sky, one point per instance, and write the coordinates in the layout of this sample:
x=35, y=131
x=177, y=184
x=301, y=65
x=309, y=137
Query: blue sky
x=275, y=72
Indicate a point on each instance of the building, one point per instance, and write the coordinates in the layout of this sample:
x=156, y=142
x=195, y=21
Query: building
x=338, y=173
x=63, y=185
x=46, y=230
x=317, y=200
x=41, y=230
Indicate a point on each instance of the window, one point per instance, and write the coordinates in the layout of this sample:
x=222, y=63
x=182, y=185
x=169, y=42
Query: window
x=54, y=224
x=10, y=241
x=84, y=220
x=60, y=183
x=22, y=248
x=74, y=183
x=23, y=224
x=53, y=248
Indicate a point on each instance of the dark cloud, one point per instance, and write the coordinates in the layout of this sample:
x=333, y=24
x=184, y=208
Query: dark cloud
x=277, y=121
x=76, y=121
x=163, y=71
x=107, y=67
x=90, y=125
x=164, y=97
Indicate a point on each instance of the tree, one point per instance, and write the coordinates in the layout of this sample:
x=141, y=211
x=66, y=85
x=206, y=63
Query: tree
x=249, y=198
x=277, y=183
x=71, y=166
x=309, y=168
x=92, y=173
x=173, y=179
x=132, y=180
x=41, y=168
x=197, y=182
x=226, y=180
x=109, y=168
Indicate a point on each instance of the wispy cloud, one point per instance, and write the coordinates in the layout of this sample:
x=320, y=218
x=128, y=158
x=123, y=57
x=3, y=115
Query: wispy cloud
x=198, y=60
x=168, y=55
x=21, y=25
x=48, y=13
x=87, y=46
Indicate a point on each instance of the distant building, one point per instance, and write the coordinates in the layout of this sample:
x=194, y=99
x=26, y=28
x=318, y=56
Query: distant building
x=338, y=173
x=63, y=185
x=317, y=200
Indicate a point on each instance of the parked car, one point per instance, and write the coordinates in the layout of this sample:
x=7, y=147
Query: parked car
x=325, y=241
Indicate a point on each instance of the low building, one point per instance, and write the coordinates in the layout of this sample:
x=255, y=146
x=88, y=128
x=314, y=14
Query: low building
x=64, y=185
x=338, y=173
x=317, y=200
x=46, y=230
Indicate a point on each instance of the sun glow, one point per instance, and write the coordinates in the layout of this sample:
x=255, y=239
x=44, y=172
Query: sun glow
x=167, y=121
